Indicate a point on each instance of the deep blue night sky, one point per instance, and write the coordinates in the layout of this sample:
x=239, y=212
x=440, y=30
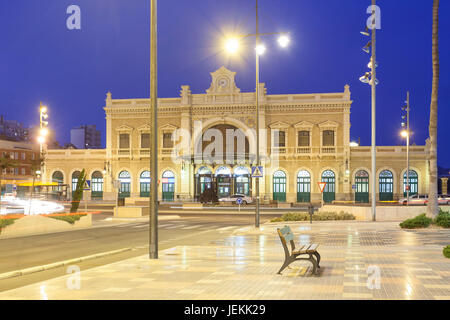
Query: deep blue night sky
x=71, y=71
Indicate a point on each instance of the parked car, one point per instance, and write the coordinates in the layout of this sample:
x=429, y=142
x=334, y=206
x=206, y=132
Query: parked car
x=234, y=197
x=417, y=199
x=444, y=199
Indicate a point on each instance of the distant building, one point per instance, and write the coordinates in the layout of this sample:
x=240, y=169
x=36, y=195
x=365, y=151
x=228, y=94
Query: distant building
x=22, y=154
x=86, y=137
x=13, y=130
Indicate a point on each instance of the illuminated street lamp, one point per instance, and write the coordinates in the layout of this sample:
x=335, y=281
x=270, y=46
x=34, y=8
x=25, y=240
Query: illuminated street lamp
x=406, y=133
x=43, y=133
x=232, y=46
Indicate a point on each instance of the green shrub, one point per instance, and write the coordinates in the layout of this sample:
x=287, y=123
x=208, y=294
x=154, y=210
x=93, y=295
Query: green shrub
x=6, y=222
x=69, y=218
x=446, y=251
x=421, y=221
x=78, y=193
x=443, y=219
x=318, y=216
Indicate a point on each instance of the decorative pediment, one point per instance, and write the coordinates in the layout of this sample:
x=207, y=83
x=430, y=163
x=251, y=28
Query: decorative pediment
x=124, y=127
x=222, y=82
x=328, y=125
x=304, y=125
x=168, y=127
x=278, y=125
x=145, y=127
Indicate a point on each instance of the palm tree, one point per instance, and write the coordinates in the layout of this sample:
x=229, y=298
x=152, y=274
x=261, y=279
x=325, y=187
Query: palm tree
x=433, y=207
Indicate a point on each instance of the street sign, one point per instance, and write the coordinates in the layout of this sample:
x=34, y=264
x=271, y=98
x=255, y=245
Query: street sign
x=87, y=185
x=257, y=172
x=322, y=186
x=239, y=201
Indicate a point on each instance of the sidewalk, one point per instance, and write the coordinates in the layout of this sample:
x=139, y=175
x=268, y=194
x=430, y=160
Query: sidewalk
x=244, y=265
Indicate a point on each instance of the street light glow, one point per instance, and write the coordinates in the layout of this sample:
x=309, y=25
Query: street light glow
x=283, y=41
x=44, y=132
x=260, y=49
x=41, y=139
x=43, y=109
x=404, y=133
x=232, y=45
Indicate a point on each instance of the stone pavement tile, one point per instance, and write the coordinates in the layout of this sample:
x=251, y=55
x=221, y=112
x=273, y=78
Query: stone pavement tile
x=245, y=266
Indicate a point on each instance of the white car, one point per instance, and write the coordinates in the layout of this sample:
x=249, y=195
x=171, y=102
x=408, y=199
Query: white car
x=444, y=199
x=417, y=199
x=234, y=199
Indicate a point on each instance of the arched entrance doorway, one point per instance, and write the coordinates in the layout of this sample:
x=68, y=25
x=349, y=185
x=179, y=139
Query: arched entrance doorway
x=303, y=186
x=242, y=181
x=362, y=186
x=329, y=193
x=168, y=186
x=203, y=181
x=75, y=177
x=279, y=186
x=386, y=182
x=223, y=178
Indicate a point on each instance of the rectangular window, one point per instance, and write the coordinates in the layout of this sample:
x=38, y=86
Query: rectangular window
x=16, y=171
x=281, y=143
x=124, y=141
x=303, y=139
x=145, y=140
x=33, y=156
x=16, y=155
x=328, y=138
x=23, y=171
x=23, y=155
x=167, y=140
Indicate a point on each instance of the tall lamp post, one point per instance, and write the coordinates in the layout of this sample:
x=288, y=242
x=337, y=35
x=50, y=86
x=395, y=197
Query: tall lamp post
x=153, y=237
x=406, y=133
x=232, y=46
x=371, y=78
x=43, y=133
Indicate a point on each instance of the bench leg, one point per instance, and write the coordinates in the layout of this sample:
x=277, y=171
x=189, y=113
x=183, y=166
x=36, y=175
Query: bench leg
x=318, y=258
x=314, y=262
x=286, y=263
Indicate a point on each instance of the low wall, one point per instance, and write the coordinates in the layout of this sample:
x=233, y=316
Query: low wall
x=383, y=213
x=31, y=225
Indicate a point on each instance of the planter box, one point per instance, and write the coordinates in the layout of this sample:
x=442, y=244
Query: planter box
x=30, y=225
x=131, y=211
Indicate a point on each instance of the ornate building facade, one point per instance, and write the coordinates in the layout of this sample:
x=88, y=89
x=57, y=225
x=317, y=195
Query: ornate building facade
x=305, y=138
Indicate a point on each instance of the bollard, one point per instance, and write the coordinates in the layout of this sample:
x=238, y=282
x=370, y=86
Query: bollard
x=311, y=212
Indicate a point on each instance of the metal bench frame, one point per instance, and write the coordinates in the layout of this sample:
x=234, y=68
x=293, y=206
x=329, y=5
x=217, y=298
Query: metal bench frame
x=310, y=250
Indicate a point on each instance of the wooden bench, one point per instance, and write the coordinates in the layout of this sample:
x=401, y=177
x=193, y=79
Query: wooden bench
x=286, y=236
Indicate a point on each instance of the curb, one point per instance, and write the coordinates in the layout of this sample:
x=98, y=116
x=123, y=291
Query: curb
x=54, y=265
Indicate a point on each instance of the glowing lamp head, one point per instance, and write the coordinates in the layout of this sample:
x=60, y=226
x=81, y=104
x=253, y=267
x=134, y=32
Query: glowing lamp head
x=260, y=49
x=44, y=132
x=404, y=133
x=232, y=45
x=354, y=144
x=283, y=41
x=43, y=109
x=41, y=139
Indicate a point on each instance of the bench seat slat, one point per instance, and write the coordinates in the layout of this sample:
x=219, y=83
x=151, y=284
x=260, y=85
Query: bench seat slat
x=306, y=249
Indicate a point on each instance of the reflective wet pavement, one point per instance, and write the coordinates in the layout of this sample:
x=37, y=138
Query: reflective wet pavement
x=360, y=260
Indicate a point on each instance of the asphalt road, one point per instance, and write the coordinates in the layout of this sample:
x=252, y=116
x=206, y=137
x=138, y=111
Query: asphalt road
x=188, y=229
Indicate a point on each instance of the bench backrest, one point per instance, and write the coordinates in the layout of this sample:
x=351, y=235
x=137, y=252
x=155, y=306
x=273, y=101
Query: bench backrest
x=285, y=236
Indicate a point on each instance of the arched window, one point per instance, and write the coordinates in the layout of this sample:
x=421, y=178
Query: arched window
x=413, y=182
x=386, y=185
x=329, y=192
x=242, y=181
x=125, y=184
x=97, y=185
x=144, y=181
x=75, y=177
x=58, y=177
x=168, y=186
x=362, y=186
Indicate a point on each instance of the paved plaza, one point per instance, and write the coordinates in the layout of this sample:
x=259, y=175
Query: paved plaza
x=397, y=264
